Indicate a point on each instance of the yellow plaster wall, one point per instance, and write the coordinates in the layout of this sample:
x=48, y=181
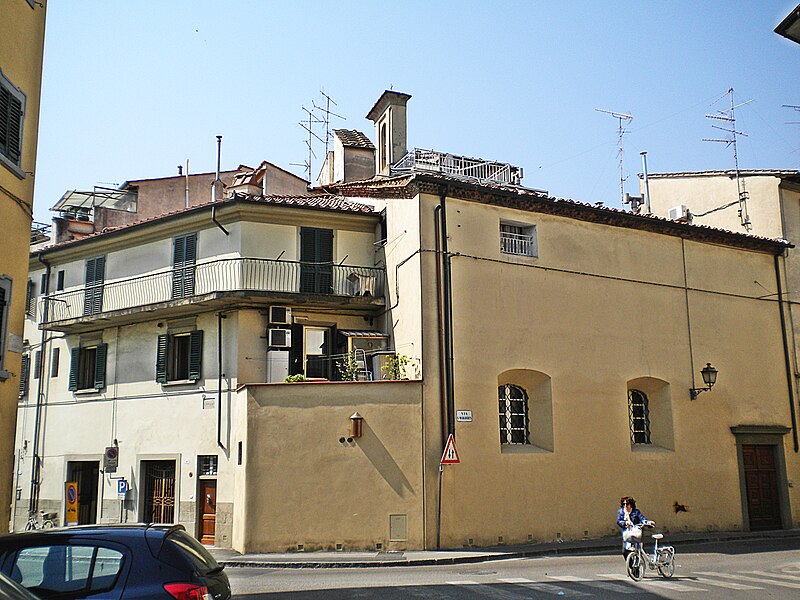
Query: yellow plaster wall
x=21, y=51
x=293, y=431
x=601, y=306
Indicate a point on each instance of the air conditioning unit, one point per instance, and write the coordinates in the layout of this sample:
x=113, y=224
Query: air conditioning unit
x=679, y=213
x=279, y=338
x=280, y=315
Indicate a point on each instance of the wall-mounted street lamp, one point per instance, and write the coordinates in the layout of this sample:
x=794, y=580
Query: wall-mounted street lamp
x=709, y=374
x=355, y=425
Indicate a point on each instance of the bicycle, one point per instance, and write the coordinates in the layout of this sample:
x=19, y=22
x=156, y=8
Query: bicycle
x=662, y=559
x=41, y=520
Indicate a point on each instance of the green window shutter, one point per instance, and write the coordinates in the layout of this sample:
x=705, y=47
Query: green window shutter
x=24, y=375
x=100, y=366
x=161, y=358
x=74, y=368
x=195, y=354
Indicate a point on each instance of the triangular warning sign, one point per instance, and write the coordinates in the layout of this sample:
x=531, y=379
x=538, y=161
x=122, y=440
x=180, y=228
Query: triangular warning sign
x=450, y=454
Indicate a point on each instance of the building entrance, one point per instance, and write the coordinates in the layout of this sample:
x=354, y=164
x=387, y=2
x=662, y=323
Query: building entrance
x=761, y=480
x=87, y=474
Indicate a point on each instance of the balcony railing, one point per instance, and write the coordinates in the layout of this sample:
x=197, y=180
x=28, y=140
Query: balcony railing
x=516, y=243
x=227, y=275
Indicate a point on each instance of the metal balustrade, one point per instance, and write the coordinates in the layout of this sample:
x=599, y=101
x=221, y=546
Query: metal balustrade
x=516, y=243
x=462, y=167
x=226, y=275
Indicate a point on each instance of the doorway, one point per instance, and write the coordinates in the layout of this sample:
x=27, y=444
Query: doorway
x=207, y=498
x=87, y=474
x=761, y=481
x=159, y=491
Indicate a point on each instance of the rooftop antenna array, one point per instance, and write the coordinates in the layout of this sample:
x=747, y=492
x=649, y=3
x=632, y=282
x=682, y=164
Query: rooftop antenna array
x=620, y=132
x=312, y=119
x=728, y=118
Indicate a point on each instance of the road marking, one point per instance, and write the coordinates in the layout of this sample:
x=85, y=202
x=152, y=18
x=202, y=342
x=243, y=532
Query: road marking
x=730, y=585
x=464, y=582
x=547, y=588
x=768, y=574
x=661, y=582
x=603, y=585
x=753, y=579
x=492, y=591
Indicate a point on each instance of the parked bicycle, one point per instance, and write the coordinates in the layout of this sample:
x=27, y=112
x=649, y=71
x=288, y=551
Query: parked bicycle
x=661, y=559
x=41, y=520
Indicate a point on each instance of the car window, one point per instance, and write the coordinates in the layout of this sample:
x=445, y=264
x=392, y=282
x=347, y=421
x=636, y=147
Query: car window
x=66, y=568
x=180, y=547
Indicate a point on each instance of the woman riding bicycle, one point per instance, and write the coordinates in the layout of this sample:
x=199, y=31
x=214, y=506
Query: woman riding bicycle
x=630, y=520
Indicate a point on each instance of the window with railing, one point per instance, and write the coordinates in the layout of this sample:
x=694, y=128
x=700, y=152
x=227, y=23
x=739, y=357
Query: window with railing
x=519, y=240
x=514, y=424
x=639, y=416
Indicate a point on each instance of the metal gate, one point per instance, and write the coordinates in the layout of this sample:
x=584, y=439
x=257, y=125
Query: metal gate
x=159, y=491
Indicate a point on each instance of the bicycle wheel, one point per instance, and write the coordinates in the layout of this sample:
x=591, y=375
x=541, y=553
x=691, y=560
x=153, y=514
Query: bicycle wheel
x=48, y=524
x=666, y=563
x=635, y=566
x=30, y=525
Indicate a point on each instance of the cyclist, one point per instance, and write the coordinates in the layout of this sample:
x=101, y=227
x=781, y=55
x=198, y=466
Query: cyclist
x=630, y=520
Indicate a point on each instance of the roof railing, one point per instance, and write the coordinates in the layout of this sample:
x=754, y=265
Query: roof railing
x=462, y=167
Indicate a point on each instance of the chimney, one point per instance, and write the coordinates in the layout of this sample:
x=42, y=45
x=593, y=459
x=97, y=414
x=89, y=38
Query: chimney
x=389, y=116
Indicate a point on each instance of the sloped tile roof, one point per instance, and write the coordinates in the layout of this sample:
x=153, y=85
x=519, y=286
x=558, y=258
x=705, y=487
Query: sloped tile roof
x=353, y=138
x=729, y=173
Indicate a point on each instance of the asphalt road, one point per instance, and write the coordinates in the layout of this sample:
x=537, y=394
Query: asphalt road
x=729, y=570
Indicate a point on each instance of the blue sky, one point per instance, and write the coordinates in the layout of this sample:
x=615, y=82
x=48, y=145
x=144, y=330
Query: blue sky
x=133, y=89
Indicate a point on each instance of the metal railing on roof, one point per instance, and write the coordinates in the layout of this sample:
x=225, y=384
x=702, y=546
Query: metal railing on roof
x=462, y=167
x=227, y=275
x=40, y=232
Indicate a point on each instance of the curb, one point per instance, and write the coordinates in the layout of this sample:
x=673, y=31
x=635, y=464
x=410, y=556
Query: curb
x=455, y=560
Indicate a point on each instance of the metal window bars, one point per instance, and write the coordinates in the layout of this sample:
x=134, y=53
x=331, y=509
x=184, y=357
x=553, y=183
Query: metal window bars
x=516, y=243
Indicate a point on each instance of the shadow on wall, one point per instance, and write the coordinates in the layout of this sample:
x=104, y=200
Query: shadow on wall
x=379, y=456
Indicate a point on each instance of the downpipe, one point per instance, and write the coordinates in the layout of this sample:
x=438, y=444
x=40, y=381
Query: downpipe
x=786, y=357
x=220, y=374
x=33, y=498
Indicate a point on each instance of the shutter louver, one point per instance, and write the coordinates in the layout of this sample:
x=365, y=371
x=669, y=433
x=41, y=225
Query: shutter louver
x=325, y=254
x=74, y=368
x=161, y=358
x=195, y=354
x=24, y=375
x=178, y=253
x=100, y=366
x=183, y=260
x=188, y=265
x=93, y=293
x=5, y=99
x=14, y=143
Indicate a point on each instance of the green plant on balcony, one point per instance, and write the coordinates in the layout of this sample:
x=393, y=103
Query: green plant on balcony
x=395, y=367
x=297, y=378
x=348, y=368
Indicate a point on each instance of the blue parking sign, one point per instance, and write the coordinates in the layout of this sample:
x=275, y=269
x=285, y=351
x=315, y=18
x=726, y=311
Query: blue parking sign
x=122, y=486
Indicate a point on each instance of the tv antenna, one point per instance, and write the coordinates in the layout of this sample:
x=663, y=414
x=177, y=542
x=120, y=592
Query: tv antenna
x=620, y=132
x=728, y=119
x=327, y=113
x=308, y=124
x=796, y=109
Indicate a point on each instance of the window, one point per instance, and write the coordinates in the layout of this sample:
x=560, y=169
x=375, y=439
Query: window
x=639, y=414
x=12, y=118
x=37, y=364
x=95, y=277
x=24, y=375
x=88, y=368
x=316, y=260
x=70, y=570
x=514, y=425
x=60, y=281
x=30, y=299
x=54, y=366
x=207, y=465
x=519, y=240
x=184, y=256
x=5, y=303
x=179, y=357
x=43, y=286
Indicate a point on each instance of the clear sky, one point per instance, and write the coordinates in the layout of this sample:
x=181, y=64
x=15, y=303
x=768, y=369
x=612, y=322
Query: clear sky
x=134, y=88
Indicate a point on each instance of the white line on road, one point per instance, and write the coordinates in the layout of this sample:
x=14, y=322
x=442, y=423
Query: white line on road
x=670, y=585
x=728, y=585
x=753, y=579
x=768, y=574
x=603, y=585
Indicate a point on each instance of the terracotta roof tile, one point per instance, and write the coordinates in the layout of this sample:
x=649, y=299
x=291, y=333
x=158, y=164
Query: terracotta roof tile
x=353, y=138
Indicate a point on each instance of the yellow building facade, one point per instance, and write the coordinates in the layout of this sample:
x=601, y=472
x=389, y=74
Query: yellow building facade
x=21, y=51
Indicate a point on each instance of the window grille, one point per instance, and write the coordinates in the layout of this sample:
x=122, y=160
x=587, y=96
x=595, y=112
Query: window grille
x=514, y=423
x=639, y=414
x=207, y=465
x=518, y=239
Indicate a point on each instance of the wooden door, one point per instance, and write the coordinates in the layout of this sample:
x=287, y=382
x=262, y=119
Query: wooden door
x=207, y=500
x=761, y=480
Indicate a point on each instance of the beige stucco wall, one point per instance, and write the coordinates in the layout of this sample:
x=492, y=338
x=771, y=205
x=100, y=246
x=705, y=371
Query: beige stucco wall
x=600, y=307
x=21, y=49
x=704, y=193
x=304, y=486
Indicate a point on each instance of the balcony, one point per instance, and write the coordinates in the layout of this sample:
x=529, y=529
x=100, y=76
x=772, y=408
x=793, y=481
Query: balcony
x=225, y=283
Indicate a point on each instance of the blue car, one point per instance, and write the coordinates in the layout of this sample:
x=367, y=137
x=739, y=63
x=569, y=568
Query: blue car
x=113, y=562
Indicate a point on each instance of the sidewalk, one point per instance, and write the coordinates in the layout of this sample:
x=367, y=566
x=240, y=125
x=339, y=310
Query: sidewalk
x=322, y=559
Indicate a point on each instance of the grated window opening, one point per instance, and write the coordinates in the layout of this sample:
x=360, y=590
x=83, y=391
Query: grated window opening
x=639, y=415
x=514, y=421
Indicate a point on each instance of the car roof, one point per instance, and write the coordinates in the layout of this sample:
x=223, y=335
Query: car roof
x=110, y=532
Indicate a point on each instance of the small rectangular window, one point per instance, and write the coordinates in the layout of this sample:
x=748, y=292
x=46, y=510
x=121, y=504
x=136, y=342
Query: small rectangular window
x=37, y=364
x=60, y=281
x=54, y=366
x=517, y=239
x=207, y=465
x=88, y=368
x=43, y=285
x=24, y=375
x=30, y=298
x=12, y=119
x=179, y=356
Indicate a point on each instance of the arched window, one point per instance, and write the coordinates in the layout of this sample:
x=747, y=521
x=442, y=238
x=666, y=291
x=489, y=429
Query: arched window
x=514, y=424
x=639, y=414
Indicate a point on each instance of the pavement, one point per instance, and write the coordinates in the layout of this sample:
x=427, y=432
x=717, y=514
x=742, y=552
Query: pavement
x=345, y=559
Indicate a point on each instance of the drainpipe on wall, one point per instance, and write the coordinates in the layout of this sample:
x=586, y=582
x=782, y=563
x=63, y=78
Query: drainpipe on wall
x=33, y=499
x=448, y=317
x=220, y=374
x=786, y=357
